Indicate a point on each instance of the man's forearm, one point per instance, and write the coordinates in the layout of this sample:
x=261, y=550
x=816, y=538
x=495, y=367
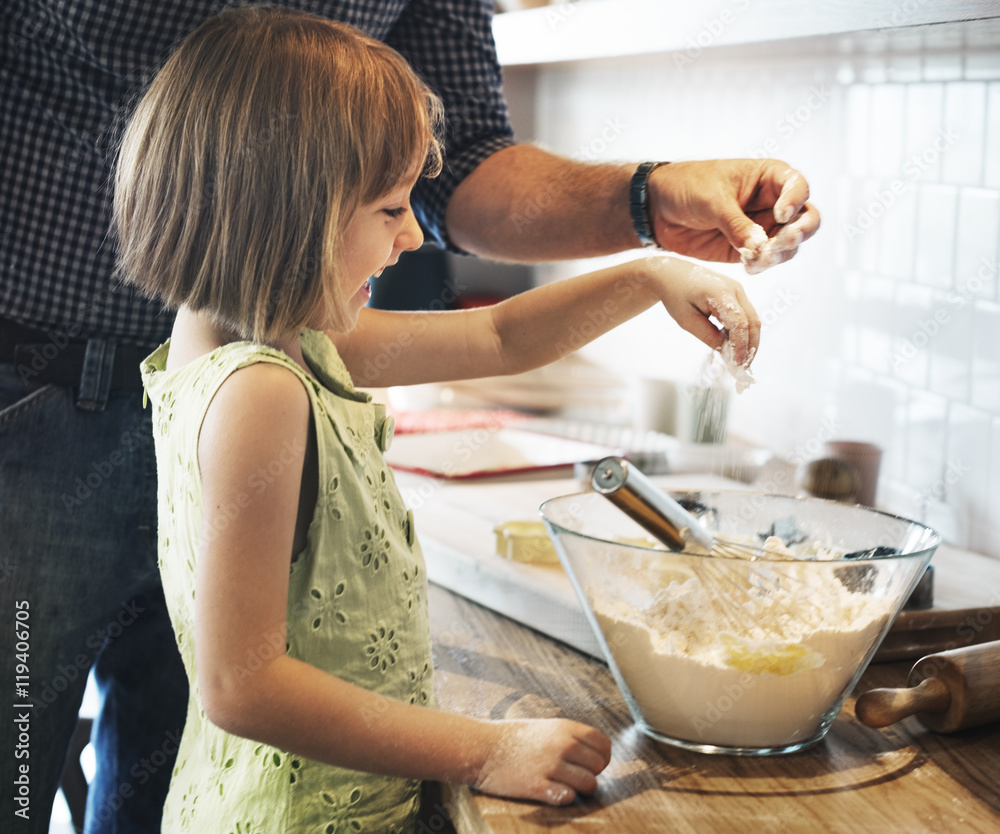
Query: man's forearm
x=526, y=204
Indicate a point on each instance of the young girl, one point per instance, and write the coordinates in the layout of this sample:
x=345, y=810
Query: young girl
x=264, y=178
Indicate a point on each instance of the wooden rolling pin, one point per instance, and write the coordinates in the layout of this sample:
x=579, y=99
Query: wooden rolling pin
x=950, y=691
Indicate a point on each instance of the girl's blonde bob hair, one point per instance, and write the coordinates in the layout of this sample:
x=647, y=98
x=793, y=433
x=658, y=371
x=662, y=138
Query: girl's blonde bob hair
x=249, y=154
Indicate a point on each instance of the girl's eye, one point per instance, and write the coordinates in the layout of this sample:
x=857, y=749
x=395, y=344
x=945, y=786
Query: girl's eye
x=395, y=212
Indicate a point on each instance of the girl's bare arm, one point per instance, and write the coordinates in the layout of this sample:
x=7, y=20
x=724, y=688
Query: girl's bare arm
x=259, y=416
x=541, y=325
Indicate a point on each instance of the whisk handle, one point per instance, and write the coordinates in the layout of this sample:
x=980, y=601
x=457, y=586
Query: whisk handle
x=655, y=511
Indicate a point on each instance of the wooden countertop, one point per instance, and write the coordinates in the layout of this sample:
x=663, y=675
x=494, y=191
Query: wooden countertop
x=858, y=779
x=900, y=779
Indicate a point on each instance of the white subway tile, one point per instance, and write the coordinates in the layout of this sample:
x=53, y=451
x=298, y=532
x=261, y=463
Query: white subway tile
x=962, y=143
x=982, y=64
x=845, y=249
x=977, y=242
x=849, y=338
x=992, y=163
x=936, y=218
x=926, y=428
x=946, y=66
x=852, y=285
x=886, y=135
x=894, y=447
x=989, y=541
x=875, y=346
x=924, y=124
x=873, y=314
x=986, y=357
x=905, y=69
x=897, y=249
x=874, y=69
x=986, y=538
x=950, y=329
x=857, y=129
x=867, y=407
x=912, y=333
x=862, y=225
x=966, y=479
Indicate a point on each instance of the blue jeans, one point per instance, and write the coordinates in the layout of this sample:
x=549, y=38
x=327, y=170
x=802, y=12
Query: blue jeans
x=80, y=588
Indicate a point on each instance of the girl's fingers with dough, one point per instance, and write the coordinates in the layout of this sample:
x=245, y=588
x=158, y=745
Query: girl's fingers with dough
x=547, y=761
x=694, y=296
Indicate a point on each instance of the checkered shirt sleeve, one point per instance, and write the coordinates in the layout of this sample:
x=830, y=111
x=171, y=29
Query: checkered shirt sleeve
x=70, y=71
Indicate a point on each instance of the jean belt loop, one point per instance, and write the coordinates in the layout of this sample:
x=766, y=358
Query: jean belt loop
x=95, y=379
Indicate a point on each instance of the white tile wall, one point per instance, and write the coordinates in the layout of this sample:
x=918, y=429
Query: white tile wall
x=893, y=335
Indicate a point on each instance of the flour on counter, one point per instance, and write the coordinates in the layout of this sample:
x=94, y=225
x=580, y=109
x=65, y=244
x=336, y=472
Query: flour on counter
x=751, y=669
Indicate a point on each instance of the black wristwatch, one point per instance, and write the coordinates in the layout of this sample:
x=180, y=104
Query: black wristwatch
x=638, y=204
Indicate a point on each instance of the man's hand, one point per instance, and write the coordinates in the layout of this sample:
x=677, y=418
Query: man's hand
x=728, y=210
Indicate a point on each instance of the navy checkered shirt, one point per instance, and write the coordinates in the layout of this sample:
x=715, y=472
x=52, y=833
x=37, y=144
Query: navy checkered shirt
x=69, y=72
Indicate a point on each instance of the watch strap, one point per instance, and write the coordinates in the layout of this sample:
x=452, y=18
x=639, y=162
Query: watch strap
x=638, y=204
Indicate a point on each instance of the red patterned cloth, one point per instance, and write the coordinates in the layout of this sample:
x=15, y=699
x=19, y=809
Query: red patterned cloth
x=452, y=419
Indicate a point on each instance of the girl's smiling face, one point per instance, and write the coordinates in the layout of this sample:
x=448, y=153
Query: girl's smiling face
x=374, y=239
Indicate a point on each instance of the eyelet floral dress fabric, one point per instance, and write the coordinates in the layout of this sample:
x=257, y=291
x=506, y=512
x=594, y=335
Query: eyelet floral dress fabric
x=357, y=602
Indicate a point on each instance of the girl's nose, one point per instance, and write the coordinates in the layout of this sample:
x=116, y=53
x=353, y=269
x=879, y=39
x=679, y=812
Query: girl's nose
x=410, y=236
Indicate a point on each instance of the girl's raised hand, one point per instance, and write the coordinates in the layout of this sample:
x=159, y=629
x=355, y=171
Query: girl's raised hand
x=547, y=760
x=694, y=295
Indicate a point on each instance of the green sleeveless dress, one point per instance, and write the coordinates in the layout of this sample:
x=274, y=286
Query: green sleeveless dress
x=357, y=602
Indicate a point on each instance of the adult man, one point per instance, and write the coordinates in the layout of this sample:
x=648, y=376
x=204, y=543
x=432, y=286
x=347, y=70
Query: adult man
x=77, y=475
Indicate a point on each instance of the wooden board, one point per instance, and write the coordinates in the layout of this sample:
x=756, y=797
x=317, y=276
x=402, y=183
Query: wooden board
x=455, y=522
x=858, y=780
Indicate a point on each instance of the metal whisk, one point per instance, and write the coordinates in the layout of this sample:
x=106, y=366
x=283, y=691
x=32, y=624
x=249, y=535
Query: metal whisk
x=657, y=513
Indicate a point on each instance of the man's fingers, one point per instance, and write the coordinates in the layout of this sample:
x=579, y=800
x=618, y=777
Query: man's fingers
x=793, y=196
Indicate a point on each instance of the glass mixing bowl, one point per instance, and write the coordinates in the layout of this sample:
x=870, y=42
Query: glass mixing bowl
x=751, y=656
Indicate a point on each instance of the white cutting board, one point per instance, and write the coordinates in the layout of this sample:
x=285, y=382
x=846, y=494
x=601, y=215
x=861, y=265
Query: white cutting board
x=487, y=452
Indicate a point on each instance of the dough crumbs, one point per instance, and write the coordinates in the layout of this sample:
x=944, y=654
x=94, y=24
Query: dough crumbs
x=740, y=373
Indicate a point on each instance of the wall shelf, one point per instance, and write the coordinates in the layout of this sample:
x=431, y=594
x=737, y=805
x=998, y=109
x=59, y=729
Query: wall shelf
x=586, y=29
